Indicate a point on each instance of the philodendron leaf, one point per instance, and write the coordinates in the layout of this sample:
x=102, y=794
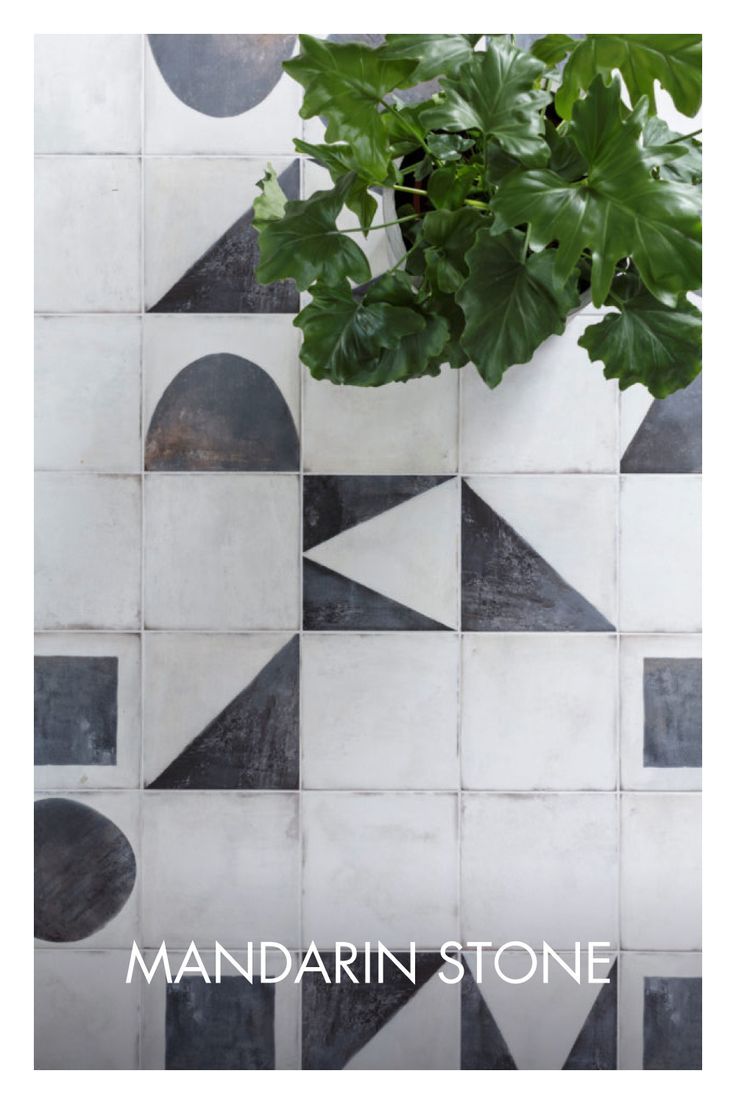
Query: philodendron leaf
x=345, y=84
x=450, y=235
x=675, y=157
x=495, y=92
x=673, y=60
x=646, y=342
x=616, y=211
x=370, y=340
x=435, y=53
x=552, y=48
x=306, y=245
x=337, y=160
x=511, y=302
x=270, y=205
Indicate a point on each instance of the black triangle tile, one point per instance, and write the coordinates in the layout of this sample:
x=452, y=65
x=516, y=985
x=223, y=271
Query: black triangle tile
x=508, y=587
x=223, y=280
x=253, y=743
x=332, y=601
x=482, y=1046
x=338, y=1020
x=596, y=1046
x=670, y=439
x=333, y=503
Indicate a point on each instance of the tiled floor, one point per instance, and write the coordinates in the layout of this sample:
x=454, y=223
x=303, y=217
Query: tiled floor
x=415, y=663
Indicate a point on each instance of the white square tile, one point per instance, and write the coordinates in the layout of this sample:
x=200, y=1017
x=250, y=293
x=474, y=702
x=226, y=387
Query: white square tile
x=220, y=94
x=88, y=93
x=191, y=203
x=88, y=394
x=661, y=872
x=379, y=711
x=222, y=551
x=660, y=553
x=88, y=555
x=125, y=770
x=659, y=1022
x=78, y=886
x=283, y=1025
x=400, y=428
x=636, y=773
x=267, y=345
x=220, y=866
x=539, y=712
x=539, y=868
x=380, y=866
x=555, y=414
x=88, y=224
x=86, y=1017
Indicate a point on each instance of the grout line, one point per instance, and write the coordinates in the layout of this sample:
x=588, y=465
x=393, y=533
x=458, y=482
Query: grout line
x=141, y=755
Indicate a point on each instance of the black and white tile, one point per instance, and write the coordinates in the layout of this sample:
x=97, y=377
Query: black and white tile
x=661, y=1012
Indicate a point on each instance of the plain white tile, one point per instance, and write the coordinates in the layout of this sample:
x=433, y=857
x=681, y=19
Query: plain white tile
x=222, y=551
x=380, y=866
x=88, y=554
x=86, y=1017
x=555, y=414
x=539, y=868
x=126, y=771
x=220, y=866
x=661, y=872
x=379, y=712
x=268, y=127
x=88, y=93
x=402, y=428
x=634, y=774
x=88, y=394
x=660, y=553
x=122, y=807
x=87, y=242
x=539, y=712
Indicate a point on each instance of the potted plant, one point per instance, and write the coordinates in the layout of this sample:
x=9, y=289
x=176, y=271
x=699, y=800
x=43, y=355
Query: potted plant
x=523, y=188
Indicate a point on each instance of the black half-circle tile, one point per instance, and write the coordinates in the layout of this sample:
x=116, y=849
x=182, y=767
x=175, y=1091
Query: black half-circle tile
x=508, y=587
x=75, y=710
x=482, y=1046
x=338, y=1020
x=85, y=870
x=223, y=280
x=333, y=503
x=221, y=75
x=223, y=1025
x=253, y=743
x=222, y=413
x=673, y=703
x=670, y=439
x=332, y=601
x=596, y=1046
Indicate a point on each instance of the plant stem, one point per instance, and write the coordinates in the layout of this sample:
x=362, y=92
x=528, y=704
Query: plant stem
x=414, y=191
x=378, y=226
x=684, y=137
x=478, y=203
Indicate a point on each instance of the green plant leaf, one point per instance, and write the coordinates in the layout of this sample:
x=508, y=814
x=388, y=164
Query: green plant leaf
x=345, y=84
x=495, y=92
x=435, y=53
x=450, y=236
x=270, y=205
x=448, y=147
x=337, y=160
x=673, y=60
x=617, y=211
x=552, y=48
x=511, y=303
x=367, y=341
x=449, y=185
x=306, y=245
x=647, y=342
x=674, y=157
